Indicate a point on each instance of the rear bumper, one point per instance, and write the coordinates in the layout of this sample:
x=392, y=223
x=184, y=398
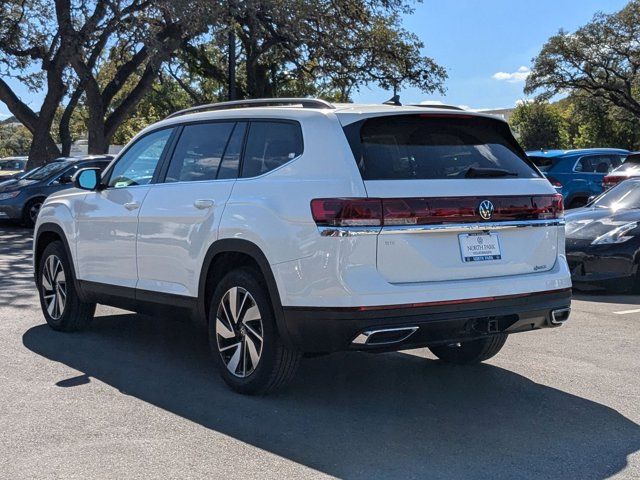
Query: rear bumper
x=335, y=329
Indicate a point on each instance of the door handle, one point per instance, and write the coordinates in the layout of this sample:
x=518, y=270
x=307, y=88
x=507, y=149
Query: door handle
x=203, y=204
x=131, y=205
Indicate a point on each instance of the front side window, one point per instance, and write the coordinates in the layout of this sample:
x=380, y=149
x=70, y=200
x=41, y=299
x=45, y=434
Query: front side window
x=199, y=152
x=270, y=145
x=427, y=146
x=139, y=162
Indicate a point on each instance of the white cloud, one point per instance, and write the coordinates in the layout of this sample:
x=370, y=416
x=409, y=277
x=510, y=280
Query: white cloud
x=519, y=75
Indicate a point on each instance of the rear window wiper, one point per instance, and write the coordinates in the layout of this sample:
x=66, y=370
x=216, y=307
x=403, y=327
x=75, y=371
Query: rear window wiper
x=473, y=172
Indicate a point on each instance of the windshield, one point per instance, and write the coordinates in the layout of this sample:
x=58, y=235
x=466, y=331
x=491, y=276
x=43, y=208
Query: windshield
x=47, y=170
x=424, y=146
x=625, y=195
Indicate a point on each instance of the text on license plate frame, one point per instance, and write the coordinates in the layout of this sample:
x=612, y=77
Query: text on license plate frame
x=486, y=246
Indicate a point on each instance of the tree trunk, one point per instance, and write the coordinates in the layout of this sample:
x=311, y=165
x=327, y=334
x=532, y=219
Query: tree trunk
x=98, y=141
x=43, y=149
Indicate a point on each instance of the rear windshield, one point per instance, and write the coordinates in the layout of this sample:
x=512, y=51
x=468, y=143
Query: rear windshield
x=543, y=163
x=405, y=147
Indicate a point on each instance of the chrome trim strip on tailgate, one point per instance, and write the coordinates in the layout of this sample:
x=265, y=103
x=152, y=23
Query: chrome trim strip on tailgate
x=442, y=228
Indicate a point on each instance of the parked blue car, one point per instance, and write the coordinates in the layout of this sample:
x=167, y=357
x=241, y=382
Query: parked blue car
x=579, y=173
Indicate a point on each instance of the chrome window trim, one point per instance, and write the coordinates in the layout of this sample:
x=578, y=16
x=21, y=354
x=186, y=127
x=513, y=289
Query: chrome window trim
x=442, y=228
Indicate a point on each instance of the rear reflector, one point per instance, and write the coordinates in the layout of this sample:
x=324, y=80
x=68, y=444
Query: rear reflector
x=344, y=212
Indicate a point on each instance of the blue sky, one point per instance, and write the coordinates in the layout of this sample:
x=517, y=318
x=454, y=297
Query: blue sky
x=476, y=39
x=483, y=44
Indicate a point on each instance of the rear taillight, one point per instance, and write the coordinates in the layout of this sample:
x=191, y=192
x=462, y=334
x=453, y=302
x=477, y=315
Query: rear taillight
x=554, y=182
x=612, y=180
x=344, y=212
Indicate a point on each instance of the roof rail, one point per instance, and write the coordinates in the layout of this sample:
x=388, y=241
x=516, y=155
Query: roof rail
x=256, y=102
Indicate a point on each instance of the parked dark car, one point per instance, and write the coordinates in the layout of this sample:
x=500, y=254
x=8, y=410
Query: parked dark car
x=603, y=240
x=578, y=172
x=11, y=166
x=630, y=168
x=21, y=198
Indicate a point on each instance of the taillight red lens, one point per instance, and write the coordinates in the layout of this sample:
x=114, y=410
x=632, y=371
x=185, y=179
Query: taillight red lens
x=548, y=207
x=612, y=180
x=432, y=211
x=554, y=182
x=343, y=212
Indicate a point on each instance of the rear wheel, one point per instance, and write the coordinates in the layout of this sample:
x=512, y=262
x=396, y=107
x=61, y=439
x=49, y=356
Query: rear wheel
x=31, y=211
x=577, y=202
x=474, y=351
x=61, y=306
x=243, y=336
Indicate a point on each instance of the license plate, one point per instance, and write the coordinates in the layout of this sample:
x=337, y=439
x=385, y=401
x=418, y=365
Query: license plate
x=479, y=247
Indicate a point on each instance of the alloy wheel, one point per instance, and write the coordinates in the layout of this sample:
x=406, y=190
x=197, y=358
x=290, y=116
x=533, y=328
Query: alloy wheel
x=239, y=332
x=54, y=287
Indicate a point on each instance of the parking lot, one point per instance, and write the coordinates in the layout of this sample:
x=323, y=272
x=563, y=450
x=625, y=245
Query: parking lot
x=135, y=396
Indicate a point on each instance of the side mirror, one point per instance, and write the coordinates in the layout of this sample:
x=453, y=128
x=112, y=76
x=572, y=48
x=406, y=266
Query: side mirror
x=87, y=179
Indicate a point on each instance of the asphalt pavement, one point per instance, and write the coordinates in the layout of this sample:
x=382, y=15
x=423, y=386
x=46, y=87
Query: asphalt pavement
x=136, y=397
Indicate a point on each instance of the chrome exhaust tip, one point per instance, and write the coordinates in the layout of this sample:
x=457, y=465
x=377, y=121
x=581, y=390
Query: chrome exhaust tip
x=384, y=336
x=559, y=316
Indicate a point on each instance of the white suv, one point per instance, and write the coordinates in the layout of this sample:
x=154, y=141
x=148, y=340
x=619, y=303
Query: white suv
x=294, y=226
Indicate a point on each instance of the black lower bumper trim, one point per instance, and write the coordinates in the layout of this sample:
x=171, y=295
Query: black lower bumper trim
x=334, y=329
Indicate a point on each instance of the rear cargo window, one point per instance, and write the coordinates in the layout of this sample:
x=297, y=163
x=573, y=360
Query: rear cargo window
x=424, y=146
x=543, y=163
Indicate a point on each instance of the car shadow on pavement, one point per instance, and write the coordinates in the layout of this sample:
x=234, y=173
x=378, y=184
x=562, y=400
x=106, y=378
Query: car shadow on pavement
x=604, y=297
x=356, y=415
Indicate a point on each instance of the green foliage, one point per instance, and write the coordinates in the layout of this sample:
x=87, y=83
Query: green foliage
x=538, y=125
x=15, y=140
x=601, y=59
x=578, y=121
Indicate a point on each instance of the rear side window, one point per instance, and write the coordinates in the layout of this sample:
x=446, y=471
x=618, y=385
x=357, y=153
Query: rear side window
x=270, y=145
x=199, y=151
x=598, y=163
x=427, y=147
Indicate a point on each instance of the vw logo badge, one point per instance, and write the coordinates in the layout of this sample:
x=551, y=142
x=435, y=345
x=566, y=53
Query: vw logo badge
x=486, y=210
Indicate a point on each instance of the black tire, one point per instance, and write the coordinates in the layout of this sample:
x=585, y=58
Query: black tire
x=74, y=314
x=577, y=203
x=276, y=364
x=31, y=207
x=474, y=351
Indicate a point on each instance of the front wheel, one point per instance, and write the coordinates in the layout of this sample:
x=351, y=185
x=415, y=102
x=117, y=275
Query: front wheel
x=244, y=338
x=473, y=351
x=31, y=211
x=61, y=306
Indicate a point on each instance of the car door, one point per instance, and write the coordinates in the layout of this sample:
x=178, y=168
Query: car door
x=181, y=213
x=108, y=220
